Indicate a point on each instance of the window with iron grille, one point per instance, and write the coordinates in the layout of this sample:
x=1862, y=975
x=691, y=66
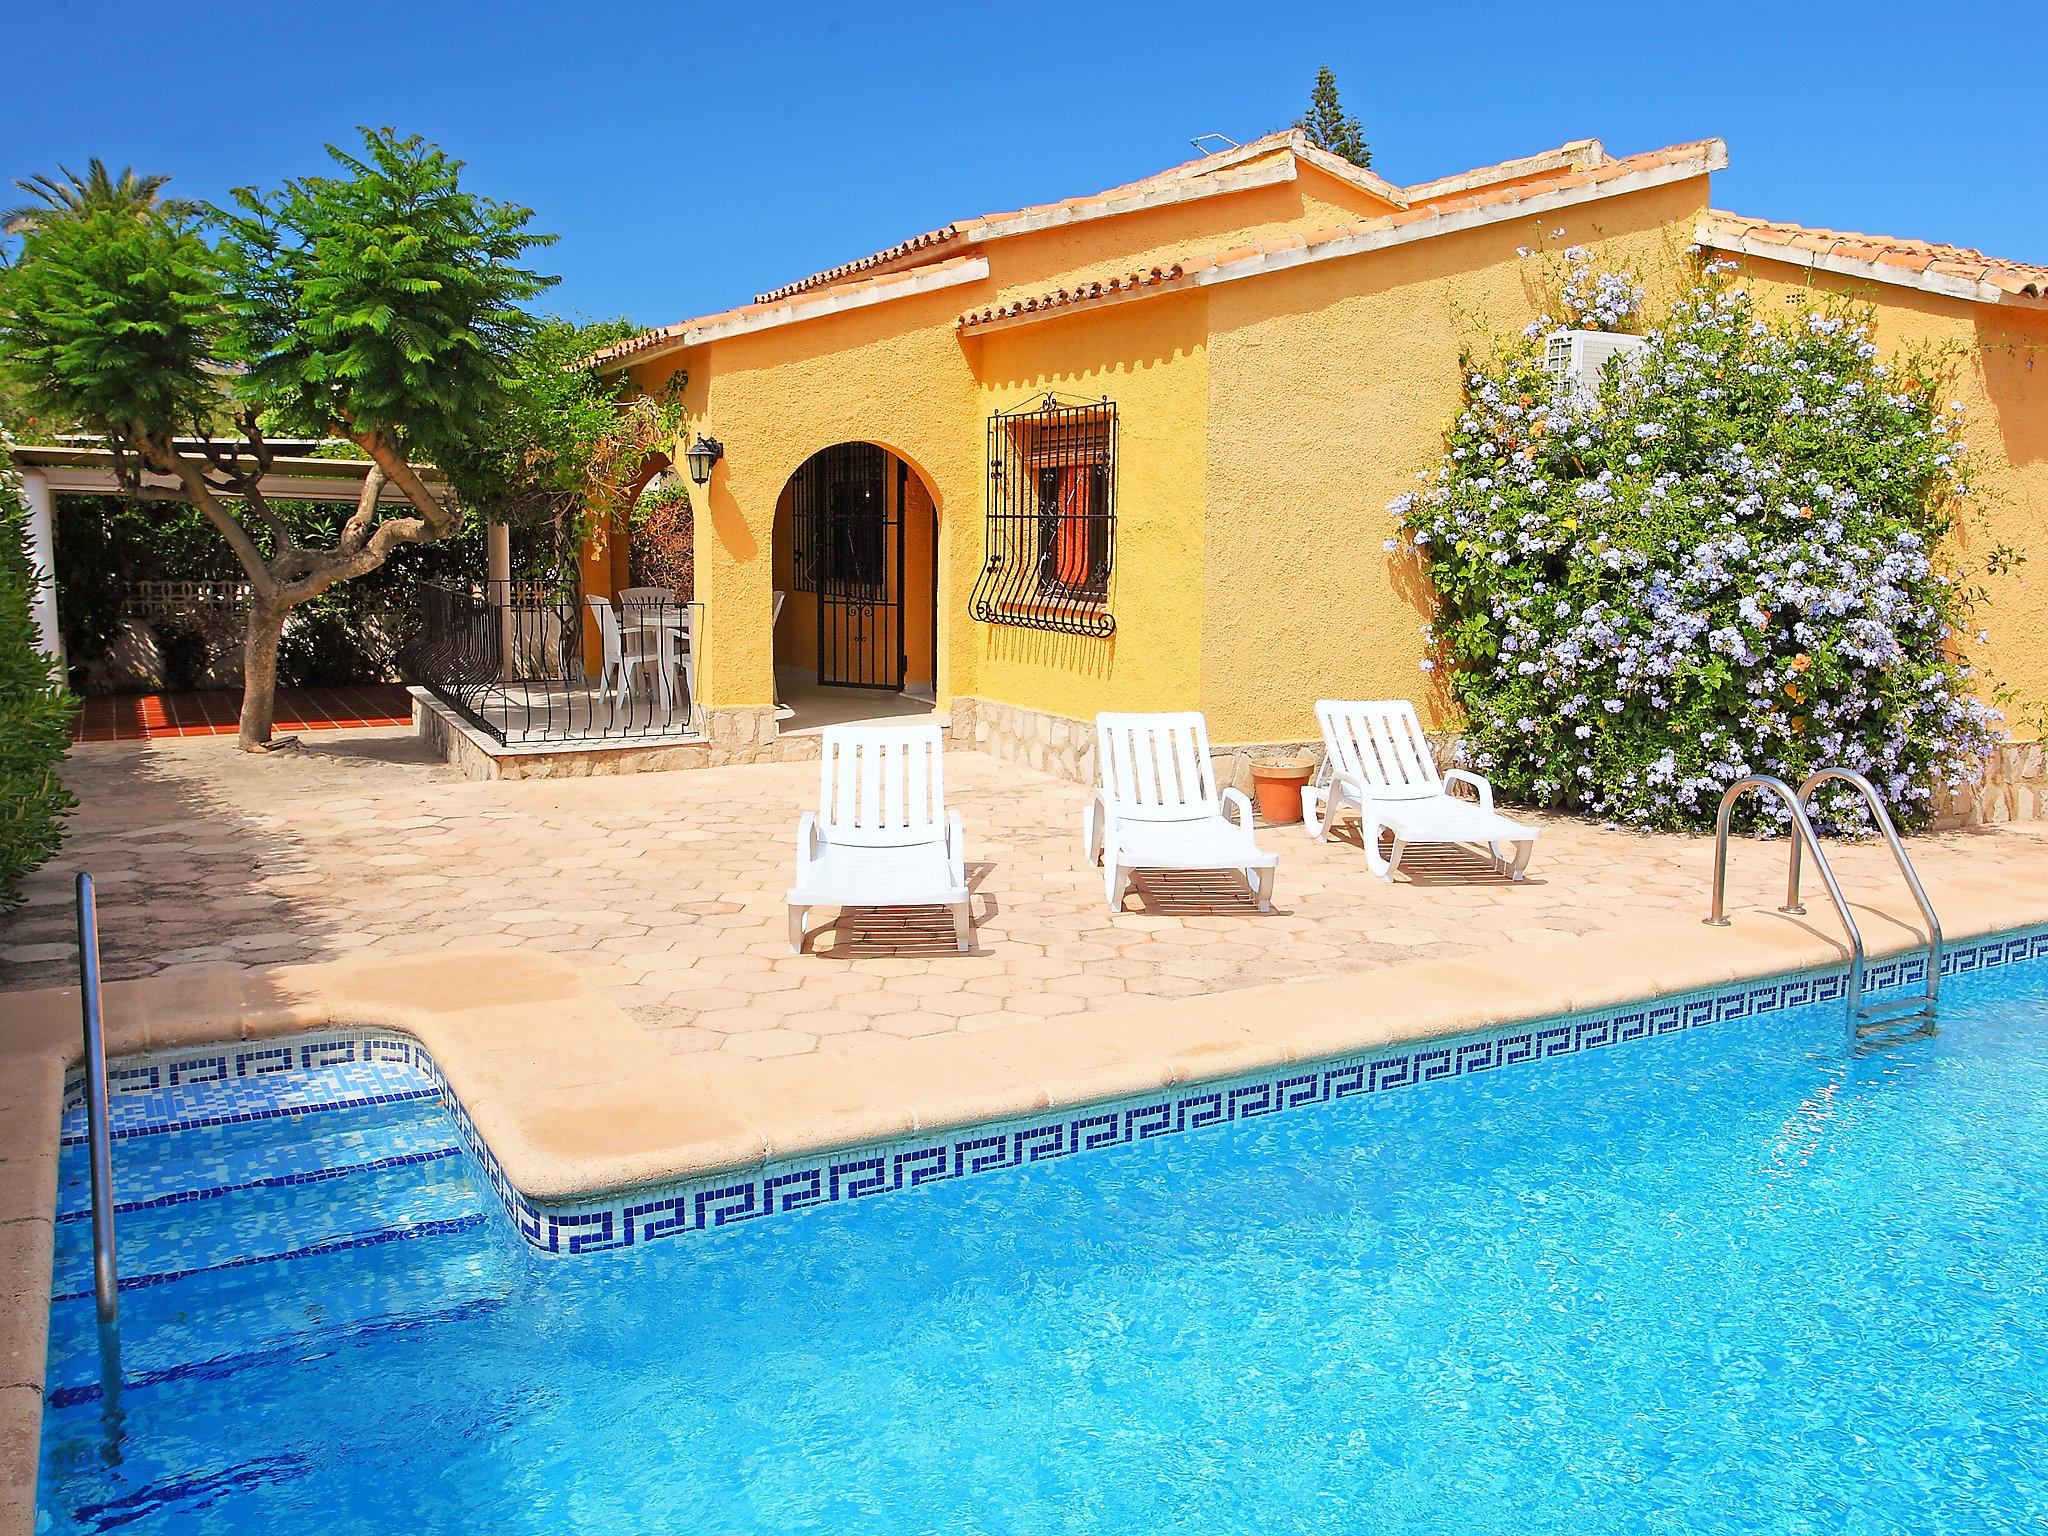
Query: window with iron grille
x=1051, y=518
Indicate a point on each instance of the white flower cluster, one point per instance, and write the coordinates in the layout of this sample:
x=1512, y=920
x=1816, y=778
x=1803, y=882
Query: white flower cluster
x=1725, y=564
x=1589, y=299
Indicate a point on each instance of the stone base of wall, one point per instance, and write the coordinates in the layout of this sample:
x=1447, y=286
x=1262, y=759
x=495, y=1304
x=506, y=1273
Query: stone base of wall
x=2014, y=788
x=1060, y=745
x=749, y=734
x=477, y=756
x=740, y=735
x=1050, y=743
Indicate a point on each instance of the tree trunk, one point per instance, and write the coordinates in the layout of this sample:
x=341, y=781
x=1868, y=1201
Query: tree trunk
x=259, y=672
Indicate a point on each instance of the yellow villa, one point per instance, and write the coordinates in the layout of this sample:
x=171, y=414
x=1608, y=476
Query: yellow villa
x=1134, y=450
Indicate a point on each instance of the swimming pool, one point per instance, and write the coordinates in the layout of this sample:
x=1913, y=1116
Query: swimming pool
x=1721, y=1279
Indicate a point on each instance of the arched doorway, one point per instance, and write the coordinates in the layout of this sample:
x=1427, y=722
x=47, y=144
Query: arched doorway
x=855, y=562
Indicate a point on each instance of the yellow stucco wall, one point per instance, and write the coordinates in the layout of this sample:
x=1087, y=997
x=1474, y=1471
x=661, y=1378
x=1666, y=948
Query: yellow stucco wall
x=2001, y=378
x=920, y=597
x=1264, y=424
x=892, y=374
x=1329, y=387
x=897, y=374
x=1150, y=359
x=796, y=632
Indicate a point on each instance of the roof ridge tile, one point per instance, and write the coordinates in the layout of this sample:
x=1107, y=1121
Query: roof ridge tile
x=2021, y=279
x=1306, y=241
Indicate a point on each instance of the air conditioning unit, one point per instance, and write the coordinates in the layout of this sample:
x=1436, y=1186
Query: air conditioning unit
x=1576, y=359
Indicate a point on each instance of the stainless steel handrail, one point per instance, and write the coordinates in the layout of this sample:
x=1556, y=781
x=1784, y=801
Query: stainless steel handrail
x=105, y=1281
x=1882, y=817
x=1803, y=827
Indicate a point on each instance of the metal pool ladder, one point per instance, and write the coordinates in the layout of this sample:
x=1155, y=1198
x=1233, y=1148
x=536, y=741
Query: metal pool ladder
x=105, y=1282
x=1872, y=1025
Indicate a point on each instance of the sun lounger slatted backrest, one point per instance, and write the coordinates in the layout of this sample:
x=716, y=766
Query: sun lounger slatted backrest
x=1381, y=744
x=1156, y=767
x=881, y=786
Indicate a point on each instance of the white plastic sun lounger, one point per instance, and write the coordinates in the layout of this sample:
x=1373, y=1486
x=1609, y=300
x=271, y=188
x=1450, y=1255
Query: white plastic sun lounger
x=1158, y=807
x=1381, y=767
x=881, y=836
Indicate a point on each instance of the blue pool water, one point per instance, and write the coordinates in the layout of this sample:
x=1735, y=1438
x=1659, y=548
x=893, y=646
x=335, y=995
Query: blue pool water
x=1723, y=1280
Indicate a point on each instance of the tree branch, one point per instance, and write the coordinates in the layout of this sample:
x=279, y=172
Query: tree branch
x=160, y=455
x=341, y=564
x=443, y=519
x=226, y=458
x=357, y=528
x=254, y=499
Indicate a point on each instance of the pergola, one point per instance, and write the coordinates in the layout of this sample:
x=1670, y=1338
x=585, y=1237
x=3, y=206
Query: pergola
x=84, y=466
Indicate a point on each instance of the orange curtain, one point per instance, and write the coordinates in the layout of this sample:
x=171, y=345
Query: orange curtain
x=1071, y=549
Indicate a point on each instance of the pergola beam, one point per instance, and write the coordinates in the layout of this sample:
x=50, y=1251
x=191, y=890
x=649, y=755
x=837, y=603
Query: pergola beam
x=49, y=470
x=71, y=469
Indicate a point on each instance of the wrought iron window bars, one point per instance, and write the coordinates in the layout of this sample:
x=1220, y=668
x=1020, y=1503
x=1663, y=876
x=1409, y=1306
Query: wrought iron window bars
x=1051, y=532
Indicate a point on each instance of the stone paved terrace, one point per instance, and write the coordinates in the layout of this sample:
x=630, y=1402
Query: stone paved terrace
x=665, y=891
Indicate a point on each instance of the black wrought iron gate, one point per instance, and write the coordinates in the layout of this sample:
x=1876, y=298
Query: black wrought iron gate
x=847, y=515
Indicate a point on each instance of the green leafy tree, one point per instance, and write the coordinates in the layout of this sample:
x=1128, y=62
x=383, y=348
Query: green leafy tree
x=568, y=453
x=68, y=195
x=1330, y=127
x=35, y=711
x=383, y=305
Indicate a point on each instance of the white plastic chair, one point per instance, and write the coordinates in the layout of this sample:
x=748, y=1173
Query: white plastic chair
x=1158, y=807
x=681, y=626
x=1382, y=768
x=665, y=622
x=622, y=654
x=881, y=836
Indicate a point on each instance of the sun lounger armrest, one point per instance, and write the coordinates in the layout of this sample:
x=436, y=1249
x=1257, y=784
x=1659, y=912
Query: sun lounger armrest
x=1480, y=787
x=956, y=847
x=1355, y=789
x=808, y=842
x=1235, y=801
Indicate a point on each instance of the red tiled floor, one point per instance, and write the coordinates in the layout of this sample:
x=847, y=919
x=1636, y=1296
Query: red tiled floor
x=138, y=717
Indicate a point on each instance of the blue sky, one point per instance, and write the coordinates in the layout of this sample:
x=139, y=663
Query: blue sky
x=688, y=156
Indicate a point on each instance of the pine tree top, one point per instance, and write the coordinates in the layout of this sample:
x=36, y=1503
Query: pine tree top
x=1329, y=126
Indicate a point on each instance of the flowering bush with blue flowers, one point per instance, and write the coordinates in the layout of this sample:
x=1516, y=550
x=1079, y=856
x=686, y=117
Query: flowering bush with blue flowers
x=1723, y=561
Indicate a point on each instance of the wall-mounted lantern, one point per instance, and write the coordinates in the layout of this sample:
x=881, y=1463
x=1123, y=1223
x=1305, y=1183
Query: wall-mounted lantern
x=702, y=454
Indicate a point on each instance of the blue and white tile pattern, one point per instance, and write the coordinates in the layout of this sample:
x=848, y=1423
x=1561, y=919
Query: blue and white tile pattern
x=351, y=1068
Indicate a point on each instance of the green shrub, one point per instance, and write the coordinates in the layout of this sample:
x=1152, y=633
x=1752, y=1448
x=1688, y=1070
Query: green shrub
x=1726, y=561
x=35, y=711
x=105, y=544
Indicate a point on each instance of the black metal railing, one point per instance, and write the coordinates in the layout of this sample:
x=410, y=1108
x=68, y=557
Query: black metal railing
x=1051, y=518
x=531, y=663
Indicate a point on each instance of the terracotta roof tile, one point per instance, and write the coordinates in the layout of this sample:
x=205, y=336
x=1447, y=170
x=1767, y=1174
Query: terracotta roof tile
x=1583, y=153
x=1121, y=285
x=984, y=224
x=821, y=299
x=830, y=275
x=1914, y=258
x=1127, y=285
x=1578, y=164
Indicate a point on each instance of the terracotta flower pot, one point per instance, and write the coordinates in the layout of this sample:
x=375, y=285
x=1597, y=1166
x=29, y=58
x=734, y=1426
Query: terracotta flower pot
x=1277, y=783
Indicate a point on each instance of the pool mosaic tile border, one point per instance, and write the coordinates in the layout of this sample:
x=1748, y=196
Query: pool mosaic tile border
x=333, y=1069
x=224, y=1085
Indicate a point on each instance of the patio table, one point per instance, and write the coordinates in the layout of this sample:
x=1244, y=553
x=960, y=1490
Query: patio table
x=662, y=619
